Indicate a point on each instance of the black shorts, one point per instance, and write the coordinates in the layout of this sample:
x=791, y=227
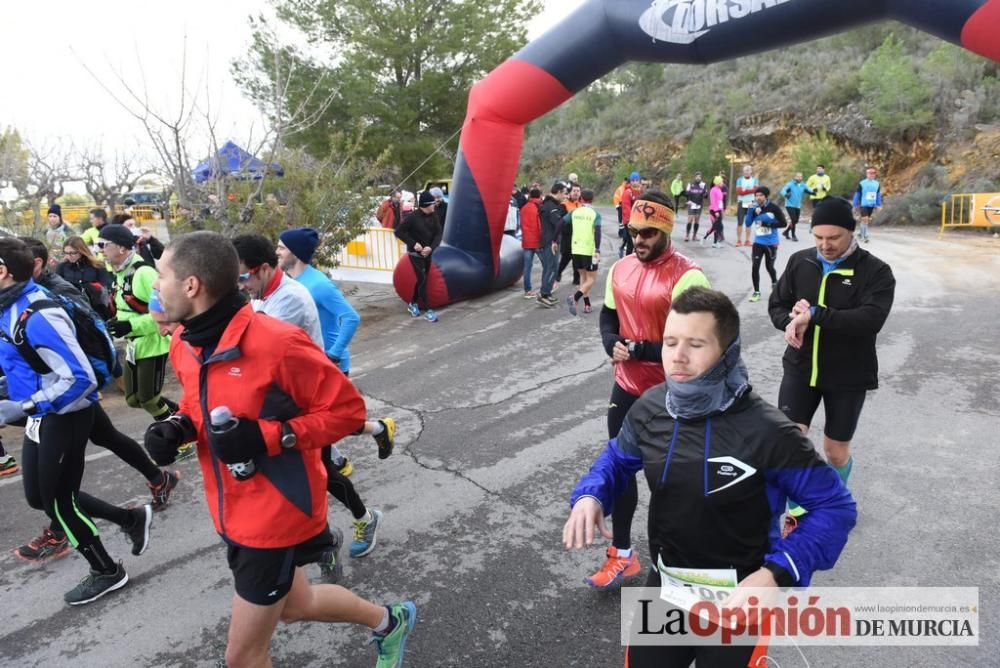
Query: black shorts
x=793, y=214
x=799, y=402
x=584, y=263
x=264, y=576
x=867, y=211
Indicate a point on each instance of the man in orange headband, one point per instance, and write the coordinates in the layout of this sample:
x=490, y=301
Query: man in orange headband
x=639, y=292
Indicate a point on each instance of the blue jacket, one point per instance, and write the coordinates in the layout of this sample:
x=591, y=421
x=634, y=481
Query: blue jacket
x=793, y=192
x=70, y=385
x=719, y=486
x=770, y=218
x=337, y=318
x=868, y=194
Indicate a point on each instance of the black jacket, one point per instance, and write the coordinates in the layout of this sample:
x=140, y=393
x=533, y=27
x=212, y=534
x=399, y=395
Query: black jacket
x=718, y=487
x=420, y=228
x=857, y=298
x=79, y=273
x=551, y=213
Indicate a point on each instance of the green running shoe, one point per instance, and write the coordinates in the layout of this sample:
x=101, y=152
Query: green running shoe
x=755, y=297
x=392, y=646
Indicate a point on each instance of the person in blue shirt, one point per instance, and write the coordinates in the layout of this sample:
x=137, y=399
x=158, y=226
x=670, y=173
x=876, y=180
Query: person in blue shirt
x=868, y=199
x=338, y=322
x=793, y=192
x=763, y=222
x=52, y=384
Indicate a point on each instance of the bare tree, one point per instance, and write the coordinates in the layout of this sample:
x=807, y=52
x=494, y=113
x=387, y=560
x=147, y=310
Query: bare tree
x=172, y=132
x=106, y=180
x=49, y=169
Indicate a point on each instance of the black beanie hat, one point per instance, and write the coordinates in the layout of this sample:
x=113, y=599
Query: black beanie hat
x=117, y=234
x=835, y=211
x=56, y=209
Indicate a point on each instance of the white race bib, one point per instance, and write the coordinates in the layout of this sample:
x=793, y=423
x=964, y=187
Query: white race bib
x=761, y=230
x=31, y=429
x=683, y=587
x=130, y=352
x=871, y=198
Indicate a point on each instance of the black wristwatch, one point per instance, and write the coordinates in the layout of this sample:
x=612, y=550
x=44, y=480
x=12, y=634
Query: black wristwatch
x=288, y=437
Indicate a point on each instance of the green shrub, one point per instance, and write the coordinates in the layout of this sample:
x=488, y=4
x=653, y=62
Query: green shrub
x=899, y=103
x=919, y=207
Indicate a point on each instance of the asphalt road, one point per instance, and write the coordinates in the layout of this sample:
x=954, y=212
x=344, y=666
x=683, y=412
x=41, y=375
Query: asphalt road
x=501, y=407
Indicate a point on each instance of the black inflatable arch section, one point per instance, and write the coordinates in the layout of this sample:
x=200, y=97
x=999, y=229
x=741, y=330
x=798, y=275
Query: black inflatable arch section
x=476, y=257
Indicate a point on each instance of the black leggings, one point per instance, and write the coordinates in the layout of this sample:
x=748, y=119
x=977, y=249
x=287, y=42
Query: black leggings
x=421, y=265
x=341, y=488
x=625, y=505
x=675, y=656
x=53, y=471
x=566, y=256
x=793, y=216
x=768, y=254
x=717, y=231
x=144, y=383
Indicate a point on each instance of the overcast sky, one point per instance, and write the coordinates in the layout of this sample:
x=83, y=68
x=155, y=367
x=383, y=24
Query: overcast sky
x=48, y=95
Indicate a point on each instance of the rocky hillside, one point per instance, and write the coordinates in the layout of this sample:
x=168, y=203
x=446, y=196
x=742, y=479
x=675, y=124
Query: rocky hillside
x=923, y=111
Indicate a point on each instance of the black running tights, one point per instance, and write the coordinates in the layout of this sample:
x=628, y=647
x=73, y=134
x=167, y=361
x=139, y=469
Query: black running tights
x=341, y=488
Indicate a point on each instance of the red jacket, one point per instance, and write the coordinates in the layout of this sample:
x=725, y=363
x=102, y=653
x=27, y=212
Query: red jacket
x=643, y=292
x=628, y=200
x=531, y=224
x=285, y=502
x=389, y=213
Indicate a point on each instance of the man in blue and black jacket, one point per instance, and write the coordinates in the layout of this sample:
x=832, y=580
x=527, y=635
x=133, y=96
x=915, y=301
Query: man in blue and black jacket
x=56, y=392
x=720, y=463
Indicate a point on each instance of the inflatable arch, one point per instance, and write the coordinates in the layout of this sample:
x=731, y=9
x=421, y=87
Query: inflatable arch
x=476, y=257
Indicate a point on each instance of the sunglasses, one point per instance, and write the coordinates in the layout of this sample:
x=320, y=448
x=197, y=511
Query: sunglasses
x=646, y=233
x=243, y=278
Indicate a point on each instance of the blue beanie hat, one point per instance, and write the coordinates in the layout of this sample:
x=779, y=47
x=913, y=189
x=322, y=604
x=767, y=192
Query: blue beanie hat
x=634, y=176
x=302, y=241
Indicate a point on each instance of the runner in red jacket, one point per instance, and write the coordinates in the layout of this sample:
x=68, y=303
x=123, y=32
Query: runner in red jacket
x=264, y=481
x=531, y=237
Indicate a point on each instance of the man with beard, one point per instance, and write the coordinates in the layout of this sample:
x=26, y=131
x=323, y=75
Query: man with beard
x=640, y=289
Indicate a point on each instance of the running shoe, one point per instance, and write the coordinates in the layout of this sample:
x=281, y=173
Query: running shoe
x=587, y=308
x=49, y=545
x=96, y=585
x=8, y=465
x=345, y=466
x=614, y=570
x=414, y=310
x=531, y=294
x=387, y=438
x=392, y=645
x=330, y=566
x=755, y=297
x=795, y=238
x=687, y=239
x=161, y=492
x=571, y=305
x=703, y=240
x=431, y=316
x=791, y=524
x=716, y=246
x=365, y=534
x=138, y=532
x=548, y=302
x=187, y=451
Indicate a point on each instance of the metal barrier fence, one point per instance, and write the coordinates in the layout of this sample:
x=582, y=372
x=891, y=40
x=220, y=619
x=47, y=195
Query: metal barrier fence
x=376, y=249
x=970, y=210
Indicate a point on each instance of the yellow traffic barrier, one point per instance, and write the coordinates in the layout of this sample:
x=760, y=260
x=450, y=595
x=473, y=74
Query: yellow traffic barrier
x=376, y=249
x=971, y=211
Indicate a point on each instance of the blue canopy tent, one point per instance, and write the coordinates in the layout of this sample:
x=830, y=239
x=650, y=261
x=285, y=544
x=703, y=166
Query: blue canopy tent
x=233, y=161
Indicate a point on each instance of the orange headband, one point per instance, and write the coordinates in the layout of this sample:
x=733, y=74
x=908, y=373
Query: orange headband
x=652, y=214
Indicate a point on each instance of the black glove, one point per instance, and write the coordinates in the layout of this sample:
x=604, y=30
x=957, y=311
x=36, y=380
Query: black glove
x=164, y=437
x=240, y=444
x=119, y=328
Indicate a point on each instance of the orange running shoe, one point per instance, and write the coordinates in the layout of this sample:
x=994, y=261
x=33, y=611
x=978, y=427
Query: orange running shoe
x=614, y=570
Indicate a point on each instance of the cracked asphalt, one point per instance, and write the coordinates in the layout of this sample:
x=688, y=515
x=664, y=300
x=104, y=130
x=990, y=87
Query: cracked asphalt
x=500, y=407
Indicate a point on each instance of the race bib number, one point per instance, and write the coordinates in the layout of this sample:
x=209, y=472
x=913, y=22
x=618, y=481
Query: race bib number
x=32, y=428
x=761, y=230
x=130, y=352
x=871, y=198
x=694, y=207
x=683, y=587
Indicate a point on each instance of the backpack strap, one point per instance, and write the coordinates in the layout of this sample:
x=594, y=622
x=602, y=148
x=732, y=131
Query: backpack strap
x=128, y=295
x=20, y=336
